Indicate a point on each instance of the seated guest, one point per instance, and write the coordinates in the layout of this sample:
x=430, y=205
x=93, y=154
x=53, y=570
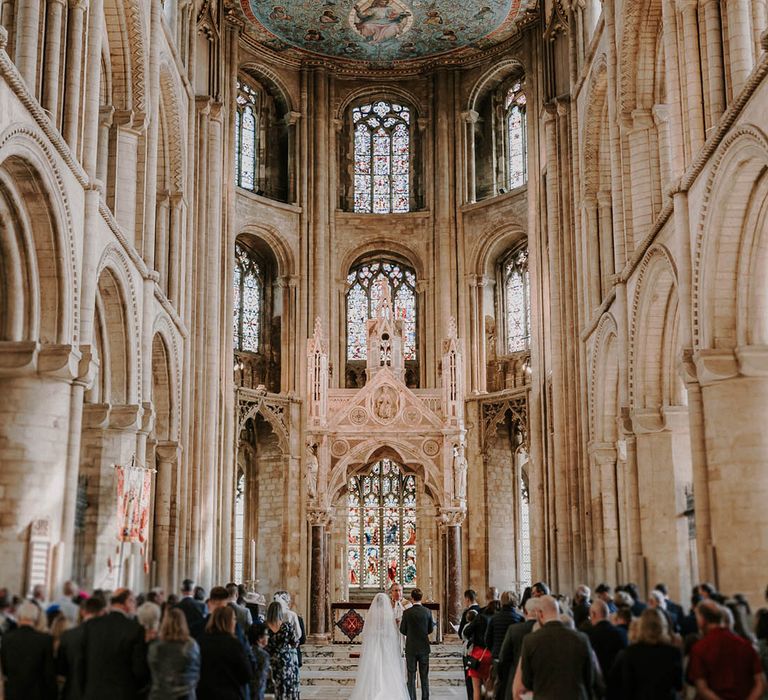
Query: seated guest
x=26, y=658
x=225, y=669
x=69, y=654
x=114, y=661
x=606, y=640
x=721, y=664
x=174, y=659
x=650, y=668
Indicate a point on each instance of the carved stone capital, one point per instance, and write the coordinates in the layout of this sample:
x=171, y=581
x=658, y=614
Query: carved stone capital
x=167, y=452
x=715, y=366
x=59, y=361
x=17, y=357
x=96, y=415
x=126, y=417
x=753, y=360
x=470, y=116
x=451, y=517
x=319, y=517
x=602, y=452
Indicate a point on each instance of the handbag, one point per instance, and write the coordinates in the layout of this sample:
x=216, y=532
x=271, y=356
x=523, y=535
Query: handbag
x=473, y=663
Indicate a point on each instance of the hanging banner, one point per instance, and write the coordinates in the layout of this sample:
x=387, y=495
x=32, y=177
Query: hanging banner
x=134, y=485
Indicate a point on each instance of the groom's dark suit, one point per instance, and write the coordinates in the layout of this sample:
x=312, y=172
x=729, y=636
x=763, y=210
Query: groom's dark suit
x=417, y=625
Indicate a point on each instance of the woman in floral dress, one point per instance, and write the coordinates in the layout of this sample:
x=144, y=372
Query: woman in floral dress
x=282, y=654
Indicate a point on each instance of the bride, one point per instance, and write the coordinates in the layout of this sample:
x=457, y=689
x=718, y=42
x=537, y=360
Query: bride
x=380, y=674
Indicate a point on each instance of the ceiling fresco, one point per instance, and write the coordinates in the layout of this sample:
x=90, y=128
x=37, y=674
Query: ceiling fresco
x=381, y=31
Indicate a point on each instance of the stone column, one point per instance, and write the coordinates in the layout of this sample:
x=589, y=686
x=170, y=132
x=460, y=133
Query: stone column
x=53, y=36
x=291, y=121
x=593, y=254
x=606, y=238
x=715, y=77
x=661, y=119
x=740, y=51
x=470, y=118
x=643, y=165
x=734, y=387
x=674, y=88
x=450, y=521
x=318, y=521
x=320, y=201
x=164, y=550
x=161, y=239
x=106, y=114
x=122, y=167
x=176, y=249
x=694, y=113
x=74, y=72
x=27, y=37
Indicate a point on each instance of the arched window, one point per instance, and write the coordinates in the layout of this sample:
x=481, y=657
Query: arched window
x=516, y=299
x=381, y=530
x=247, y=137
x=381, y=158
x=514, y=119
x=362, y=296
x=239, y=529
x=249, y=296
x=525, y=534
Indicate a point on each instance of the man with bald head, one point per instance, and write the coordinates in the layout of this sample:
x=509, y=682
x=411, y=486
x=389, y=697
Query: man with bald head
x=606, y=640
x=556, y=661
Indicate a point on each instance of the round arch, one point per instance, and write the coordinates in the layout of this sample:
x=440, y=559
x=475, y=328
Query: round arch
x=385, y=91
x=492, y=79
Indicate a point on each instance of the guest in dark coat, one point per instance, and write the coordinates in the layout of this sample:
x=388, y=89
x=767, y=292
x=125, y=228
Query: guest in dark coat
x=470, y=604
x=651, y=668
x=113, y=665
x=580, y=607
x=70, y=652
x=225, y=670
x=511, y=648
x=605, y=639
x=498, y=624
x=26, y=656
x=194, y=610
x=258, y=636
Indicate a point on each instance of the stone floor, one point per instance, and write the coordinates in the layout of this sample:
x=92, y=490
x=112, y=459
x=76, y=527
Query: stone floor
x=325, y=693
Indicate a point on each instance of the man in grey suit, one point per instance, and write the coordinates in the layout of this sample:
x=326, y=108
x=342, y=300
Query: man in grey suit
x=556, y=660
x=417, y=624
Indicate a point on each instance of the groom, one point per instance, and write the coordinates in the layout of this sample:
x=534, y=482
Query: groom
x=417, y=625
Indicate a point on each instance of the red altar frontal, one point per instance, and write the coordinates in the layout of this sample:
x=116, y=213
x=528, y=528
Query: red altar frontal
x=347, y=620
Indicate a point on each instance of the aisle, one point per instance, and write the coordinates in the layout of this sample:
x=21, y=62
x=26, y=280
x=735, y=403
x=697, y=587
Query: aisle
x=329, y=672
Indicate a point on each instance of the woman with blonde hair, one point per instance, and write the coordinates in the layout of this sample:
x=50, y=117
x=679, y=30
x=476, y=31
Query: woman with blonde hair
x=225, y=669
x=651, y=668
x=174, y=660
x=282, y=653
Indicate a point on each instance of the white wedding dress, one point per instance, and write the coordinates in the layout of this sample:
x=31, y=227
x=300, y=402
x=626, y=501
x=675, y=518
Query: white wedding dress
x=380, y=674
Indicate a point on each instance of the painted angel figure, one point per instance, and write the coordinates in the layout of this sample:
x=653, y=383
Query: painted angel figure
x=380, y=21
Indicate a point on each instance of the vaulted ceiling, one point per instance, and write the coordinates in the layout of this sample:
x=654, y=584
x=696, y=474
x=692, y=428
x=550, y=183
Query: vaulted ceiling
x=384, y=31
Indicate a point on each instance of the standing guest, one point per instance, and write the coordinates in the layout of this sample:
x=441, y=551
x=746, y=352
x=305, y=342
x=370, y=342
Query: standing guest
x=38, y=596
x=603, y=592
x=282, y=653
x=194, y=610
x=500, y=622
x=539, y=589
x=113, y=665
x=259, y=637
x=622, y=619
x=721, y=664
x=243, y=615
x=580, y=608
x=417, y=625
x=156, y=596
x=511, y=648
x=637, y=605
x=674, y=608
x=148, y=614
x=61, y=623
x=556, y=662
x=199, y=594
x=761, y=632
x=740, y=611
x=284, y=598
x=605, y=639
x=225, y=669
x=7, y=618
x=26, y=658
x=470, y=604
x=479, y=667
x=70, y=652
x=651, y=668
x=657, y=600
x=526, y=594
x=174, y=660
x=70, y=591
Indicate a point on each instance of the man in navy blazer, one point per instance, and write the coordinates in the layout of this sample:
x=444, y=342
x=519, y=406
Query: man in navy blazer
x=417, y=624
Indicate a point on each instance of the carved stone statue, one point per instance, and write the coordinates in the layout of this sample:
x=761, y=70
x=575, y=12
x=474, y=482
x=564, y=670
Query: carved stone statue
x=313, y=470
x=459, y=473
x=386, y=402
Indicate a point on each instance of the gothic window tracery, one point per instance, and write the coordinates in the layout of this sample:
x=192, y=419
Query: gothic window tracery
x=381, y=528
x=248, y=300
x=382, y=141
x=515, y=137
x=247, y=136
x=516, y=301
x=362, y=296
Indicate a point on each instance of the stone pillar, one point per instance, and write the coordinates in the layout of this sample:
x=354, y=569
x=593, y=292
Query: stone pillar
x=122, y=168
x=715, y=78
x=734, y=387
x=92, y=94
x=470, y=118
x=176, y=248
x=318, y=520
x=674, y=87
x=161, y=239
x=320, y=203
x=291, y=121
x=606, y=238
x=593, y=254
x=163, y=548
x=27, y=37
x=661, y=119
x=740, y=43
x=53, y=37
x=664, y=469
x=643, y=165
x=106, y=114
x=694, y=112
x=74, y=72
x=450, y=521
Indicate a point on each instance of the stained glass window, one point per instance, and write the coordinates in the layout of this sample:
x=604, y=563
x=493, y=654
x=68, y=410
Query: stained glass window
x=525, y=535
x=382, y=157
x=237, y=555
x=381, y=527
x=248, y=301
x=362, y=295
x=247, y=137
x=517, y=308
x=517, y=160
